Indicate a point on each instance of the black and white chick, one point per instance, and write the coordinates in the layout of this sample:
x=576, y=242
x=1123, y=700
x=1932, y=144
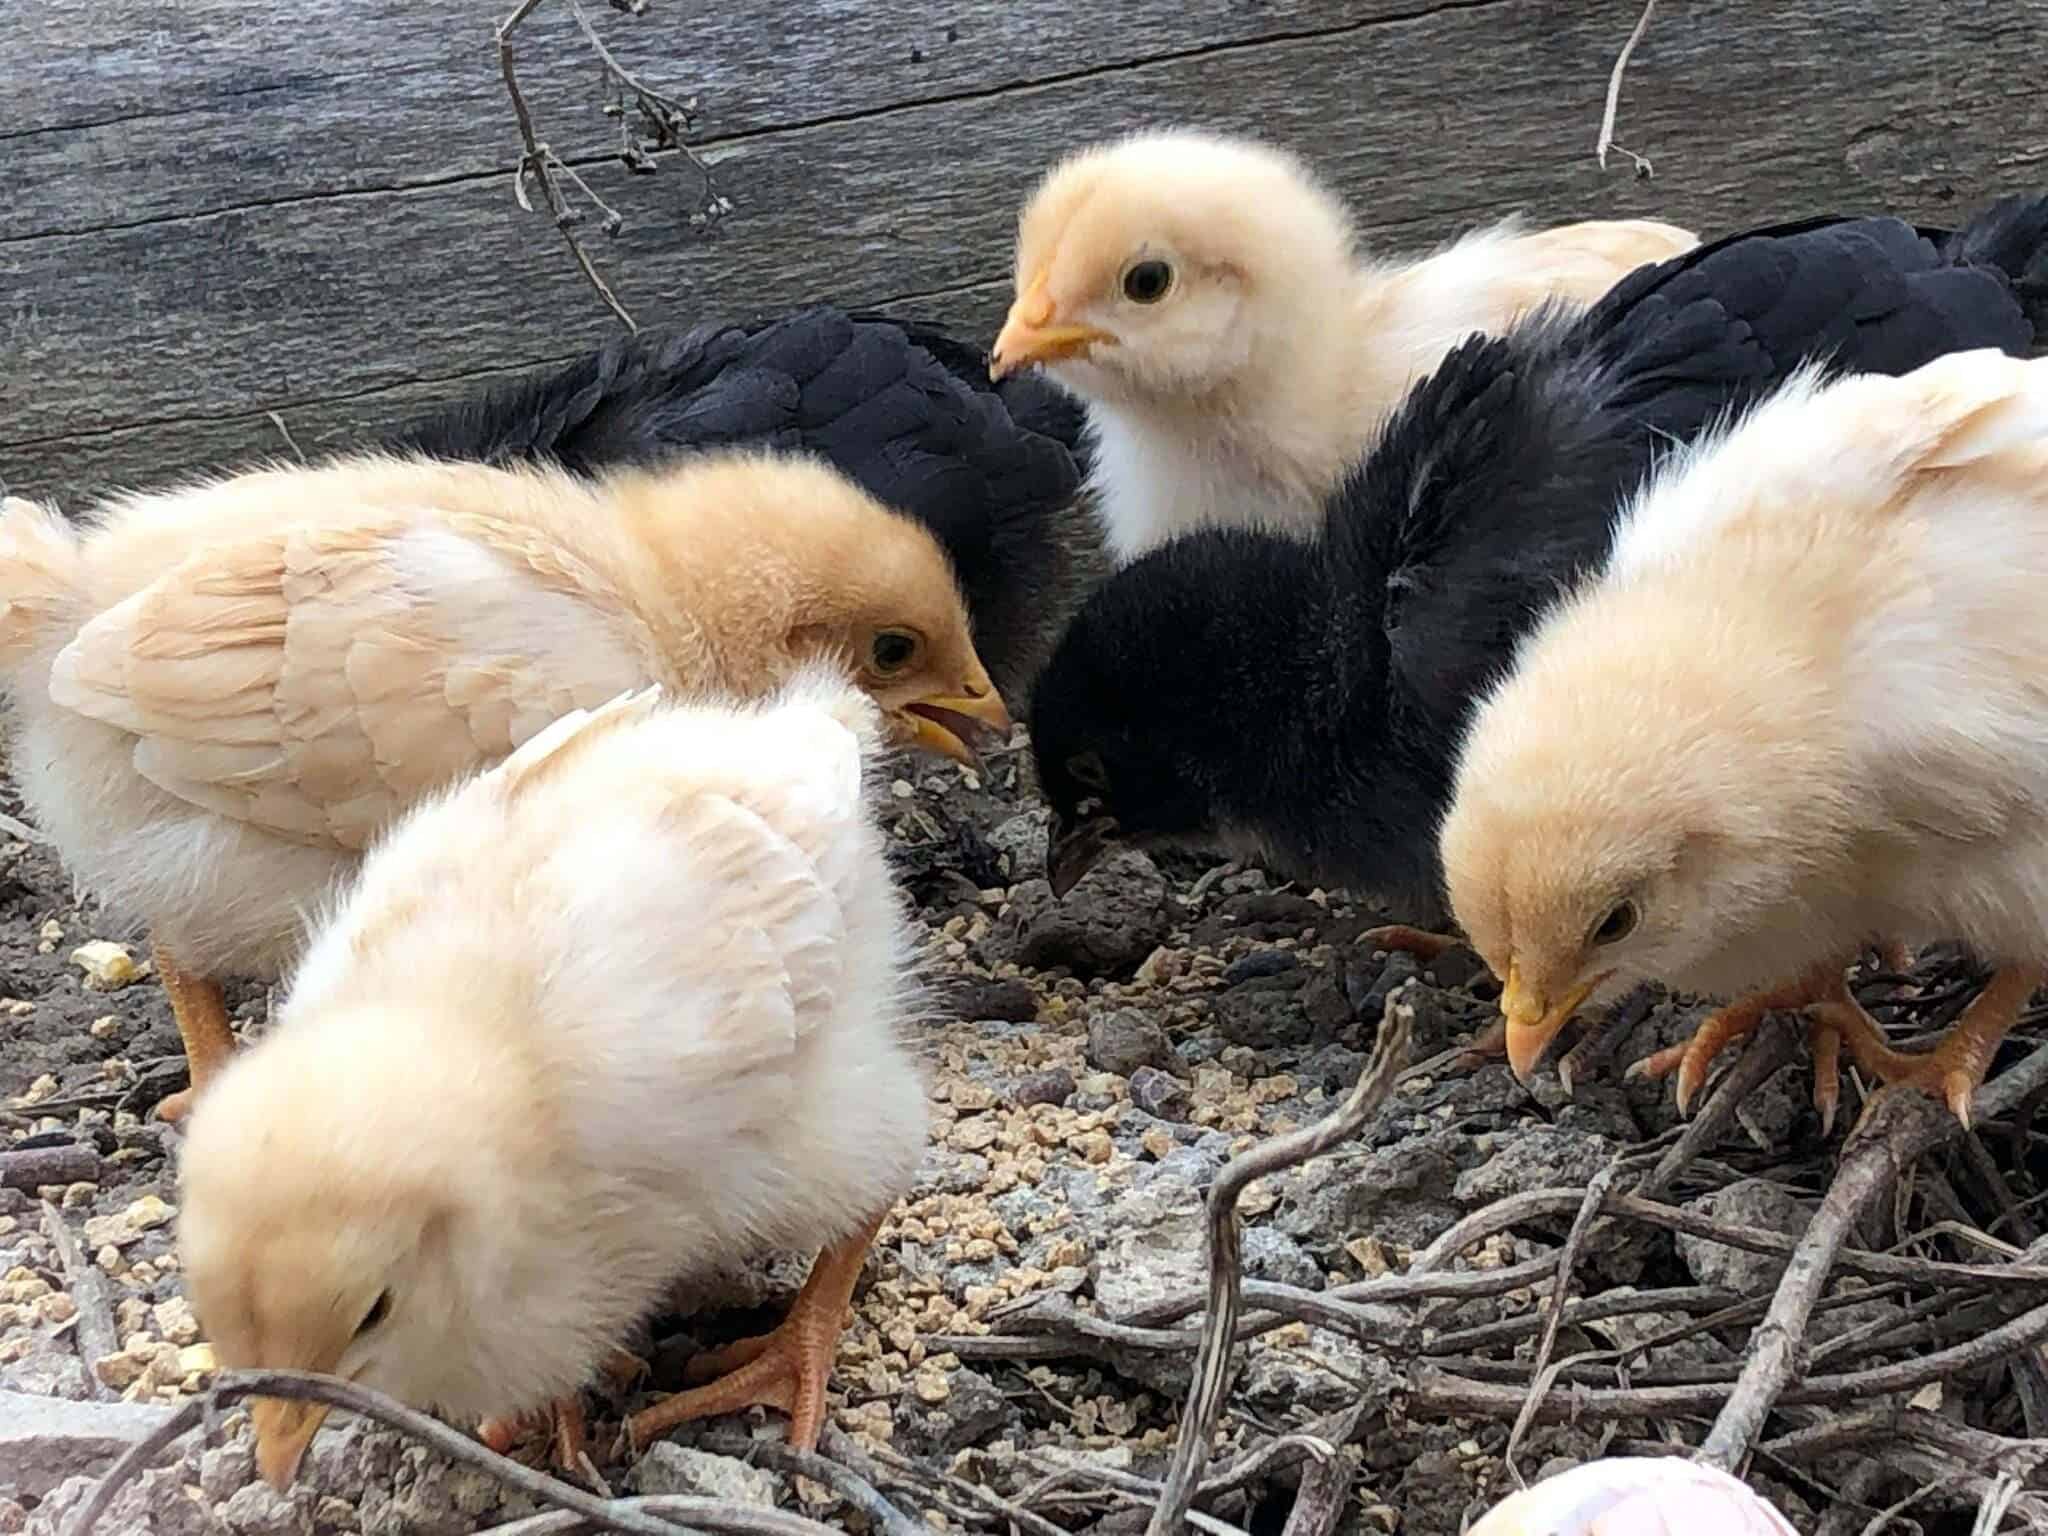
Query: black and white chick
x=1301, y=704
x=994, y=470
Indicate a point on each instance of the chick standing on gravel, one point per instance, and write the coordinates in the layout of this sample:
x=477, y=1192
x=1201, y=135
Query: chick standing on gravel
x=222, y=693
x=1802, y=705
x=623, y=1006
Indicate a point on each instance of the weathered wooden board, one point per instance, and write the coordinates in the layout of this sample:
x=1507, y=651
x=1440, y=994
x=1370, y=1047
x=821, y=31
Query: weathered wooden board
x=227, y=210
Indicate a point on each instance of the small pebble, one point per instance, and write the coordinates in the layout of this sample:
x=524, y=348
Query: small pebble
x=108, y=966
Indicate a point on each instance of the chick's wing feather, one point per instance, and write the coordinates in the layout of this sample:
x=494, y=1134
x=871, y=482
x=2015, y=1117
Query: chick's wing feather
x=315, y=680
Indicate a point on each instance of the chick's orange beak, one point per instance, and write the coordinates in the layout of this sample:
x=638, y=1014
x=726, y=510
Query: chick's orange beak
x=946, y=723
x=1532, y=1023
x=283, y=1431
x=1030, y=334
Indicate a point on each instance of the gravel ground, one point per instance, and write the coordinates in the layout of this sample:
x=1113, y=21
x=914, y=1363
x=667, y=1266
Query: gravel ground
x=1093, y=1064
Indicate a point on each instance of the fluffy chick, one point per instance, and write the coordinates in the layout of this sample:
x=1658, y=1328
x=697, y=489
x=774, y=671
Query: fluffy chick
x=625, y=1005
x=1206, y=298
x=1302, y=703
x=1635, y=1496
x=903, y=409
x=223, y=692
x=1828, y=720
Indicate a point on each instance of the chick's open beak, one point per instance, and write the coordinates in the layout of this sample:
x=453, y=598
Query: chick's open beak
x=1030, y=335
x=947, y=723
x=1532, y=1023
x=283, y=1431
x=1074, y=849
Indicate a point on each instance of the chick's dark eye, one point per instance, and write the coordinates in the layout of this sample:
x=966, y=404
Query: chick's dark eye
x=379, y=1310
x=1617, y=925
x=892, y=650
x=1147, y=282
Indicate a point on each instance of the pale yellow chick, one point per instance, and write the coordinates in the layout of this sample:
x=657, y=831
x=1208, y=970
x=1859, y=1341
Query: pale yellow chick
x=630, y=1004
x=1206, y=299
x=1803, y=706
x=222, y=693
x=1635, y=1496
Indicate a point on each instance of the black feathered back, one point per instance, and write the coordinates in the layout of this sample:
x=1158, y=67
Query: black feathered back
x=994, y=470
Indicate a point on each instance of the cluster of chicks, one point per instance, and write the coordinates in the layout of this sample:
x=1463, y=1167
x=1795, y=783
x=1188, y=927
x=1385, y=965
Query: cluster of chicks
x=1653, y=609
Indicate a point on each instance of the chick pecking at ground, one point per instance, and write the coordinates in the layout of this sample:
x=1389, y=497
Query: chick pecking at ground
x=1205, y=296
x=220, y=694
x=1635, y=1496
x=1302, y=704
x=906, y=411
x=1802, y=704
x=629, y=1003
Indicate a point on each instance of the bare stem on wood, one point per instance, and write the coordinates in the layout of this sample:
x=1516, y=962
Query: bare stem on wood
x=1644, y=170
x=667, y=118
x=1219, y=1327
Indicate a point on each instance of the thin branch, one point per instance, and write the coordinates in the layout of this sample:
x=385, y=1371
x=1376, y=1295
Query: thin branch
x=636, y=1517
x=1644, y=169
x=883, y=1516
x=1219, y=1329
x=97, y=1334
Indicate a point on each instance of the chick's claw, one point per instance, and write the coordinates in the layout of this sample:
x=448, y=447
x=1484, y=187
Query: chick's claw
x=1954, y=1070
x=786, y=1369
x=1692, y=1059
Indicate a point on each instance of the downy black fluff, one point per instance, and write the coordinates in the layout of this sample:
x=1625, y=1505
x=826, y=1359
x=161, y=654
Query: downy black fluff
x=1303, y=703
x=994, y=470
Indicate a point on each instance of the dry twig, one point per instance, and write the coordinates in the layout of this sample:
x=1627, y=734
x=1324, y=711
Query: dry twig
x=1644, y=170
x=97, y=1334
x=1219, y=1329
x=574, y=1507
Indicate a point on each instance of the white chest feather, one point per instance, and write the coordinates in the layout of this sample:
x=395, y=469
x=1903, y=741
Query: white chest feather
x=1154, y=483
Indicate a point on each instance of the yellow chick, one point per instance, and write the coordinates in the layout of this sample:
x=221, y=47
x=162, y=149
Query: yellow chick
x=222, y=693
x=1802, y=706
x=626, y=1004
x=1205, y=298
x=1635, y=1496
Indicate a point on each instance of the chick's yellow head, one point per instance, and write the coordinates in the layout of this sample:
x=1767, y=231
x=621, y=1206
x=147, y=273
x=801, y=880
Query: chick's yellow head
x=309, y=1243
x=1169, y=264
x=804, y=553
x=1636, y=812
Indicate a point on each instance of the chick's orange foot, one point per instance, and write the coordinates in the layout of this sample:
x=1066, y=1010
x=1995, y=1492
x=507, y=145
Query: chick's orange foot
x=1954, y=1070
x=1419, y=942
x=1692, y=1058
x=786, y=1369
x=203, y=1025
x=569, y=1444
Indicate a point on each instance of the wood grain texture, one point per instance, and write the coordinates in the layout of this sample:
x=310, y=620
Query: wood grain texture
x=231, y=210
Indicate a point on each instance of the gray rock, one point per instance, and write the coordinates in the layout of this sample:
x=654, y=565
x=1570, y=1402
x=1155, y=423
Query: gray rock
x=1190, y=1167
x=226, y=1467
x=1270, y=1255
x=974, y=1412
x=1148, y=1246
x=670, y=1468
x=1021, y=843
x=45, y=1441
x=1160, y=1094
x=1330, y=1372
x=1265, y=1011
x=1261, y=963
x=1402, y=1193
x=1753, y=1203
x=1055, y=1085
x=260, y=1510
x=1537, y=1158
x=1123, y=1041
x=1106, y=926
x=50, y=1376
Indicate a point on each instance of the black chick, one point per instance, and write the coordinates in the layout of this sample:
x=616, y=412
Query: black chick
x=1302, y=704
x=994, y=470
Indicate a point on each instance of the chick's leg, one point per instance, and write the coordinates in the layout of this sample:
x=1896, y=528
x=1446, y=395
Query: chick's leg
x=1692, y=1058
x=786, y=1369
x=1419, y=942
x=1954, y=1069
x=202, y=1015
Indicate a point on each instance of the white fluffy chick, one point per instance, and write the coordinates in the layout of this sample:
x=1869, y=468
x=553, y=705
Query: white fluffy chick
x=1803, y=705
x=1205, y=298
x=1635, y=1496
x=222, y=692
x=625, y=1005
